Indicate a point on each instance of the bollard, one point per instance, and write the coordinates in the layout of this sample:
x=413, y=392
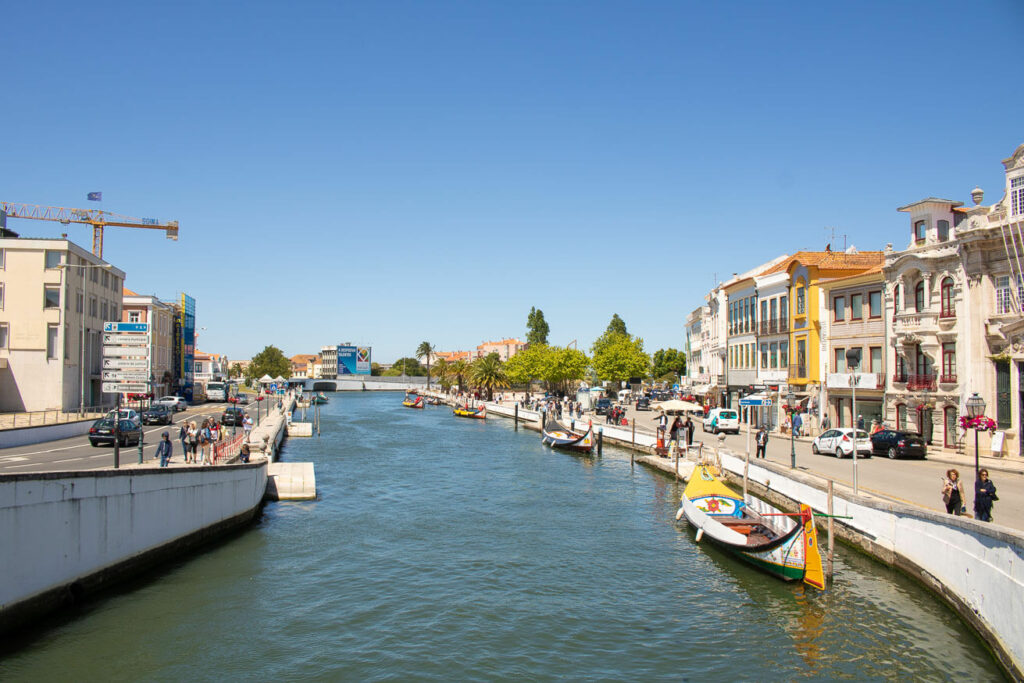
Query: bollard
x=516, y=418
x=600, y=440
x=828, y=563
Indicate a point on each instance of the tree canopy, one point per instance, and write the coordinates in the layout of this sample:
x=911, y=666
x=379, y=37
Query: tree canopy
x=409, y=366
x=668, y=362
x=621, y=358
x=536, y=327
x=488, y=373
x=555, y=365
x=617, y=325
x=269, y=361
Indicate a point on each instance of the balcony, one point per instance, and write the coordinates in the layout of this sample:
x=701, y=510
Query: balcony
x=915, y=324
x=773, y=326
x=921, y=382
x=947, y=379
x=797, y=372
x=899, y=378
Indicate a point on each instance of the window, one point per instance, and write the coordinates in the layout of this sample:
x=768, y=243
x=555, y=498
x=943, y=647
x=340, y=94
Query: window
x=801, y=357
x=746, y=315
x=856, y=306
x=106, y=278
x=840, y=358
x=901, y=369
x=764, y=311
x=901, y=417
x=839, y=309
x=774, y=311
x=922, y=362
x=133, y=316
x=53, y=258
x=51, y=341
x=3, y=261
x=919, y=231
x=896, y=299
x=875, y=304
x=753, y=312
x=774, y=350
x=783, y=354
x=943, y=229
x=103, y=310
x=1, y=296
x=1017, y=196
x=919, y=296
x=949, y=362
x=783, y=306
x=764, y=356
x=4, y=335
x=51, y=296
x=1003, y=394
x=876, y=360
x=78, y=301
x=801, y=301
x=93, y=306
x=947, y=299
x=1004, y=294
x=93, y=274
x=114, y=315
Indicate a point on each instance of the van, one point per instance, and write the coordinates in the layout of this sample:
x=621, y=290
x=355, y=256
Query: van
x=722, y=420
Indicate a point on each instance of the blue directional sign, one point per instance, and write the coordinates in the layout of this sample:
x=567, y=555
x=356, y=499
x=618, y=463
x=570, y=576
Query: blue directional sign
x=125, y=327
x=755, y=401
x=675, y=387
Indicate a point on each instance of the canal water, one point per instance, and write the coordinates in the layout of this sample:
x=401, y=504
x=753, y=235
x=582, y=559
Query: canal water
x=451, y=549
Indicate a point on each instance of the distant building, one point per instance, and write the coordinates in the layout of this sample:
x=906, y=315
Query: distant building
x=506, y=348
x=210, y=366
x=302, y=365
x=453, y=356
x=146, y=308
x=54, y=298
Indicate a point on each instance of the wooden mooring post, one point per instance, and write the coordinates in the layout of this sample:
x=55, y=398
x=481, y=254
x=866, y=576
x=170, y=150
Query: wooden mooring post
x=516, y=418
x=632, y=451
x=828, y=562
x=600, y=440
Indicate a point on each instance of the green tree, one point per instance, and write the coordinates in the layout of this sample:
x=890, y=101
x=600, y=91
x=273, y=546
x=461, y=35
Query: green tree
x=269, y=361
x=425, y=350
x=621, y=358
x=410, y=367
x=526, y=364
x=667, y=362
x=235, y=371
x=487, y=373
x=617, y=325
x=442, y=372
x=616, y=329
x=374, y=369
x=536, y=327
x=556, y=366
x=457, y=371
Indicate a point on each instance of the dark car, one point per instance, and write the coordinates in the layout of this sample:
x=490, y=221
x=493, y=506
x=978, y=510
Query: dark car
x=898, y=444
x=102, y=431
x=643, y=403
x=603, y=406
x=232, y=415
x=158, y=414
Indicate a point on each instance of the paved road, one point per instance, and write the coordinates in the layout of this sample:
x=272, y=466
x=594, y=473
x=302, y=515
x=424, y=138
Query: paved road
x=76, y=453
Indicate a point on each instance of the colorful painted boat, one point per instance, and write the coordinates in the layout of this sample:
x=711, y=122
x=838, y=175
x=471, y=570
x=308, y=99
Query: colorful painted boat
x=318, y=399
x=433, y=401
x=779, y=543
x=465, y=411
x=413, y=401
x=559, y=436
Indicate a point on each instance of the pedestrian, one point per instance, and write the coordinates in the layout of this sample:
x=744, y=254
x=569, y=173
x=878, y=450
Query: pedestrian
x=984, y=496
x=183, y=437
x=673, y=431
x=662, y=425
x=875, y=427
x=163, y=449
x=206, y=442
x=689, y=426
x=953, y=492
x=860, y=422
x=825, y=423
x=797, y=423
x=762, y=442
x=243, y=453
x=214, y=431
x=193, y=442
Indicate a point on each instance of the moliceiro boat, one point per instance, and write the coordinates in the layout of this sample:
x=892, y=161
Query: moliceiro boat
x=465, y=411
x=413, y=401
x=560, y=436
x=318, y=399
x=779, y=543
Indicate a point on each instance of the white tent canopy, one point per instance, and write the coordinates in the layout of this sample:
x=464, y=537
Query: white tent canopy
x=266, y=379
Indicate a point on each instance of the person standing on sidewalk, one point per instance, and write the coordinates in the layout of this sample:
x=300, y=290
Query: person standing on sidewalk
x=797, y=423
x=762, y=442
x=689, y=427
x=984, y=496
x=183, y=438
x=953, y=492
x=246, y=426
x=163, y=450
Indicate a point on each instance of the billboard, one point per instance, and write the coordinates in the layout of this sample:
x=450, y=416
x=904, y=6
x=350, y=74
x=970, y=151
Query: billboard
x=187, y=346
x=353, y=360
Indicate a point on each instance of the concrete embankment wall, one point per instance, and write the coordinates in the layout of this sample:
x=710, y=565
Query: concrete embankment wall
x=266, y=438
x=975, y=567
x=67, y=534
x=366, y=383
x=24, y=436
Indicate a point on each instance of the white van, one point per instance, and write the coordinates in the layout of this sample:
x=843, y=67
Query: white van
x=722, y=420
x=625, y=396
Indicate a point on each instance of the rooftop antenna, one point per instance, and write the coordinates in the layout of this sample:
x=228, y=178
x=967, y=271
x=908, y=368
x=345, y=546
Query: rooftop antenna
x=832, y=232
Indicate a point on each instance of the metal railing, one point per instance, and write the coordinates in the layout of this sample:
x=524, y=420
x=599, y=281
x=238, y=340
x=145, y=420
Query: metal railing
x=224, y=451
x=947, y=379
x=926, y=382
x=42, y=418
x=798, y=371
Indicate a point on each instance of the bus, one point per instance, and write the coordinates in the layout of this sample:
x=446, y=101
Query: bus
x=217, y=391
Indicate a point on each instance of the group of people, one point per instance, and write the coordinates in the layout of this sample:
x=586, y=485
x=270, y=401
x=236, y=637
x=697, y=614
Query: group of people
x=197, y=441
x=956, y=502
x=678, y=430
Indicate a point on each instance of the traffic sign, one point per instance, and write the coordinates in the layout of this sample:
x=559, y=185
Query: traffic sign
x=744, y=402
x=125, y=327
x=125, y=363
x=125, y=375
x=135, y=351
x=124, y=388
x=126, y=339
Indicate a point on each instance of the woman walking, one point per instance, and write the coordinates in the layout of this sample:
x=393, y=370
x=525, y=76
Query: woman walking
x=953, y=493
x=984, y=496
x=193, y=442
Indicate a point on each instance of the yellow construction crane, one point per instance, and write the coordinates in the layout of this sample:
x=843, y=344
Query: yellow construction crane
x=94, y=217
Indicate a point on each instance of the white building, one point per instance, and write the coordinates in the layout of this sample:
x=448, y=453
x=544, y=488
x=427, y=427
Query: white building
x=145, y=308
x=54, y=298
x=328, y=362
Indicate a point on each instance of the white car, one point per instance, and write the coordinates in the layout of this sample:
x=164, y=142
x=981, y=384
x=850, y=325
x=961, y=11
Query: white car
x=128, y=414
x=176, y=402
x=722, y=420
x=839, y=442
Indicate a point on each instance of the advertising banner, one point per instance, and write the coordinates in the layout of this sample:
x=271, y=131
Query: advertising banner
x=353, y=360
x=187, y=349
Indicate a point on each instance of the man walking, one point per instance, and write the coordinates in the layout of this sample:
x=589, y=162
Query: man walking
x=762, y=442
x=163, y=450
x=689, y=427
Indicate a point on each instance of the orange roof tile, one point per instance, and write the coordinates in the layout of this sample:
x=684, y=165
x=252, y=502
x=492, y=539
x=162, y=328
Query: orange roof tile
x=831, y=260
x=127, y=292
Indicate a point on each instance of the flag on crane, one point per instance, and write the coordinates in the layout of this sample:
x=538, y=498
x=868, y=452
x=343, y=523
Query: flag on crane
x=95, y=196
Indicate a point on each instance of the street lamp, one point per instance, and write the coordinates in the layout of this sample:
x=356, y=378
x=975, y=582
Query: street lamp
x=975, y=409
x=85, y=303
x=259, y=402
x=791, y=402
x=852, y=363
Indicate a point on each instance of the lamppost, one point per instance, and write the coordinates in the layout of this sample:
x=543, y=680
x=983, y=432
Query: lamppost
x=259, y=402
x=85, y=303
x=234, y=416
x=975, y=409
x=791, y=402
x=852, y=363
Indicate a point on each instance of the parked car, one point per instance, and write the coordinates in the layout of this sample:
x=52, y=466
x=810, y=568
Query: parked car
x=722, y=420
x=602, y=406
x=128, y=414
x=102, y=431
x=643, y=403
x=177, y=403
x=158, y=414
x=898, y=444
x=232, y=415
x=839, y=442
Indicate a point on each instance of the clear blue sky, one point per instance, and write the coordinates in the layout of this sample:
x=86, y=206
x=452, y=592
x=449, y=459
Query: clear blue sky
x=392, y=172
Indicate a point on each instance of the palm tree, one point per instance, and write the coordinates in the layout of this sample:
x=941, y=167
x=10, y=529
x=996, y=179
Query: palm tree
x=425, y=350
x=457, y=370
x=487, y=373
x=442, y=372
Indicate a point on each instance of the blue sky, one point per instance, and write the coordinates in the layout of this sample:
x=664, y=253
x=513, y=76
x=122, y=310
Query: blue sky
x=392, y=172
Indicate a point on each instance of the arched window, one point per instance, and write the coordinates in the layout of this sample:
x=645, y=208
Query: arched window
x=943, y=230
x=901, y=417
x=919, y=231
x=919, y=297
x=948, y=310
x=896, y=303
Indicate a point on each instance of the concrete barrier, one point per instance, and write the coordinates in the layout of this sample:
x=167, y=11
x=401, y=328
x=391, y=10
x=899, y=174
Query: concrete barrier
x=68, y=534
x=291, y=481
x=25, y=436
